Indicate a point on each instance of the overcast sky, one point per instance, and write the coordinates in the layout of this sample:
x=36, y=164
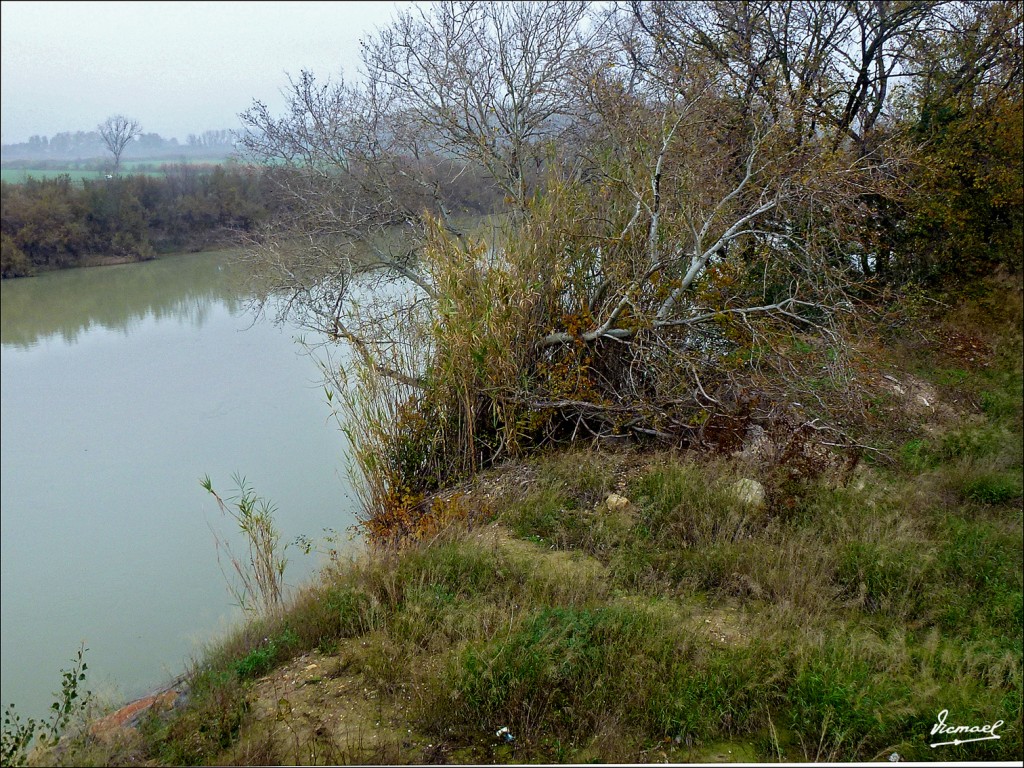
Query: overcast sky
x=177, y=67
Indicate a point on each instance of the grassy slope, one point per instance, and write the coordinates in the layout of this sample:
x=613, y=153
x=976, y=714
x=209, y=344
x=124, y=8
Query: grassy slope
x=833, y=623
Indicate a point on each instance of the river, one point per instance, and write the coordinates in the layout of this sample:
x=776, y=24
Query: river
x=120, y=388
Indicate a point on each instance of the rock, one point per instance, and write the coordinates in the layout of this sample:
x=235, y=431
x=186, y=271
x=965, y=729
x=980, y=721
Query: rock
x=615, y=502
x=748, y=491
x=128, y=716
x=895, y=384
x=757, y=446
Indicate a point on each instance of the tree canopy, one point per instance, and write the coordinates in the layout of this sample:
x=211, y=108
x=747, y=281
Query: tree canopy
x=117, y=131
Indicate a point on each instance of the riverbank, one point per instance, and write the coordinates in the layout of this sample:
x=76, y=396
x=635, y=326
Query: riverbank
x=638, y=606
x=109, y=260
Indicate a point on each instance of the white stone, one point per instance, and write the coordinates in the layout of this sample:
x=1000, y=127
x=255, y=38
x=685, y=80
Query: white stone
x=749, y=492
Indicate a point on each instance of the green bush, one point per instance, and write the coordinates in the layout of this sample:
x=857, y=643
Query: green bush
x=563, y=670
x=993, y=487
x=198, y=733
x=262, y=659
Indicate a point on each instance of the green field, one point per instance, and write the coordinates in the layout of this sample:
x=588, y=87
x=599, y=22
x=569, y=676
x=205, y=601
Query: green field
x=144, y=167
x=21, y=175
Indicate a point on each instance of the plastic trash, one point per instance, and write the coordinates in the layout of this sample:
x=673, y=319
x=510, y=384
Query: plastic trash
x=503, y=733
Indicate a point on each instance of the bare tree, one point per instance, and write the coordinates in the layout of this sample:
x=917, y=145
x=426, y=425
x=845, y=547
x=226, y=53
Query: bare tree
x=117, y=131
x=688, y=181
x=457, y=89
x=491, y=83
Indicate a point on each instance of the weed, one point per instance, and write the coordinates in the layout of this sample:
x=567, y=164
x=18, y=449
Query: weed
x=978, y=442
x=883, y=577
x=262, y=572
x=540, y=515
x=999, y=404
x=692, y=505
x=563, y=506
x=951, y=376
x=322, y=615
x=459, y=565
x=559, y=672
x=585, y=477
x=837, y=707
x=262, y=659
x=257, y=661
x=18, y=737
x=982, y=579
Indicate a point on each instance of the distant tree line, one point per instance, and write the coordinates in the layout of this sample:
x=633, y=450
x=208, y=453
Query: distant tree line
x=89, y=145
x=58, y=223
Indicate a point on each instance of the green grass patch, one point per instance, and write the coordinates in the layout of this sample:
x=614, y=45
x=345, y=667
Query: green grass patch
x=993, y=487
x=979, y=589
x=564, y=506
x=562, y=671
x=263, y=658
x=917, y=455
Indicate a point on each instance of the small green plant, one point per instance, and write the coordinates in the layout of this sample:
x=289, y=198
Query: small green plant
x=18, y=736
x=262, y=659
x=330, y=544
x=999, y=404
x=69, y=701
x=917, y=455
x=262, y=573
x=199, y=732
x=952, y=376
x=993, y=488
x=976, y=442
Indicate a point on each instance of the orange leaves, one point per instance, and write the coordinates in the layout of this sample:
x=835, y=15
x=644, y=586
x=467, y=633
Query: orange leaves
x=406, y=517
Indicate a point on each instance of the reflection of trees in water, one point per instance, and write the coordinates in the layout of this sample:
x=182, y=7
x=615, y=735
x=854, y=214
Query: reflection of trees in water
x=70, y=302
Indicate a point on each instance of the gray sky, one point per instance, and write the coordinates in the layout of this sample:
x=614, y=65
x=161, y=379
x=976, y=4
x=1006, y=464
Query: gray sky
x=177, y=67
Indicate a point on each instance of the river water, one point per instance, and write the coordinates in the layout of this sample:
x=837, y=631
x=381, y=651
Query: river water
x=120, y=388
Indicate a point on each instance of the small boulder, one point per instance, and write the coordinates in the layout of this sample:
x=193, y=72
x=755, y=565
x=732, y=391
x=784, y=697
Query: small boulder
x=615, y=503
x=748, y=492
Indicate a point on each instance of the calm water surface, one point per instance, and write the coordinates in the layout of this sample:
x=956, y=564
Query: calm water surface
x=120, y=388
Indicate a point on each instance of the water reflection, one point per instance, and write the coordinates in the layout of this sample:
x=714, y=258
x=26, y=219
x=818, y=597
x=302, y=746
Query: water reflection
x=117, y=298
x=122, y=387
